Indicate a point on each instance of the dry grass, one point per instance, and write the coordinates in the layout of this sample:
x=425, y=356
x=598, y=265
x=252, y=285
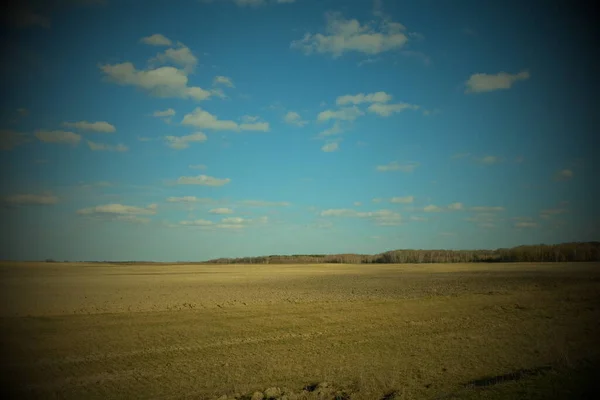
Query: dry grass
x=420, y=331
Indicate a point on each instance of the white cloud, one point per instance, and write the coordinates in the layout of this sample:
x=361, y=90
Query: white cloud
x=221, y=210
x=329, y=147
x=343, y=114
x=487, y=209
x=204, y=180
x=197, y=166
x=189, y=199
x=377, y=200
x=480, y=83
x=417, y=218
x=181, y=56
x=432, y=208
x=379, y=217
x=385, y=110
x=377, y=97
x=234, y=220
x=334, y=130
x=10, y=139
x=261, y=203
x=293, y=118
x=368, y=61
x=107, y=147
x=455, y=206
x=183, y=142
x=357, y=203
x=347, y=35
x=223, y=80
x=118, y=209
x=204, y=120
x=169, y=112
x=156, y=40
x=396, y=166
x=58, y=137
x=30, y=199
x=160, y=82
x=403, y=200
x=563, y=175
x=198, y=222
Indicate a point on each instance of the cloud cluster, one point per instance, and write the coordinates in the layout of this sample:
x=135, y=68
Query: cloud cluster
x=120, y=212
x=203, y=180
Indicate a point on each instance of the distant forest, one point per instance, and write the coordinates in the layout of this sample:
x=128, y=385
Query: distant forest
x=565, y=252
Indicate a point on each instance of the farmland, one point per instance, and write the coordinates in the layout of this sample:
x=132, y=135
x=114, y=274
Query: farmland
x=76, y=330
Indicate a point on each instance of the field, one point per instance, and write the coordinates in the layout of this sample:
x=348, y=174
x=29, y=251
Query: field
x=377, y=331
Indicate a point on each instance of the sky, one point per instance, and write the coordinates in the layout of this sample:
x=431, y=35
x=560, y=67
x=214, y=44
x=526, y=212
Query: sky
x=191, y=130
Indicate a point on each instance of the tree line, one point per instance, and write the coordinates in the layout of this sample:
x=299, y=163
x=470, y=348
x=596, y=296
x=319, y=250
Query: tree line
x=564, y=252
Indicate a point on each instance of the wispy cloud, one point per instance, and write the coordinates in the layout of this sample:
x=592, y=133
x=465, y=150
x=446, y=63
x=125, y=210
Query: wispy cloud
x=203, y=180
x=396, y=166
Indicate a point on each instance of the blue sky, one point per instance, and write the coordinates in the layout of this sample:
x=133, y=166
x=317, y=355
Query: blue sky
x=190, y=130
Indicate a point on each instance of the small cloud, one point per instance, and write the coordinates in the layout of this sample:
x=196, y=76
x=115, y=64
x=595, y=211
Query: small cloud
x=221, y=210
x=223, y=80
x=334, y=130
x=432, y=208
x=455, y=206
x=190, y=199
x=183, y=142
x=198, y=222
x=377, y=200
x=107, y=147
x=204, y=120
x=99, y=126
x=403, y=200
x=342, y=114
x=197, y=166
x=563, y=175
x=156, y=40
x=329, y=147
x=447, y=234
x=293, y=118
x=120, y=212
x=203, y=180
x=417, y=218
x=262, y=203
x=357, y=203
x=396, y=166
x=487, y=209
x=62, y=137
x=385, y=110
x=169, y=112
x=480, y=83
x=360, y=98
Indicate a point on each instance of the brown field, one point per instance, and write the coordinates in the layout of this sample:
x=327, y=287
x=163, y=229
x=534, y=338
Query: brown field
x=103, y=331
